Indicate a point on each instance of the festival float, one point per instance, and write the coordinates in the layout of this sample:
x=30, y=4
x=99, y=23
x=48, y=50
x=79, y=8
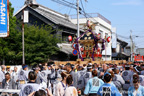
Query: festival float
x=89, y=46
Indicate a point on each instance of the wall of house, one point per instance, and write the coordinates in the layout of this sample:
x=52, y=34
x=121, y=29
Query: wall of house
x=117, y=47
x=127, y=50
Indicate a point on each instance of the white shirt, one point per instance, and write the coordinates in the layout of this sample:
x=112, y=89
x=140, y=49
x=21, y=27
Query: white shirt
x=15, y=76
x=2, y=76
x=71, y=91
x=135, y=93
x=60, y=89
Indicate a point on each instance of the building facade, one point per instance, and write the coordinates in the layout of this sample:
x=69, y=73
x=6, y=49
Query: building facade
x=140, y=51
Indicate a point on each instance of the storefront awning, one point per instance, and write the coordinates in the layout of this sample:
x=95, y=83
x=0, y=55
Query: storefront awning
x=66, y=48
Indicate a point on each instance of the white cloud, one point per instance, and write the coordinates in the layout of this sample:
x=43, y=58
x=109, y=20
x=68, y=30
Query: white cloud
x=128, y=2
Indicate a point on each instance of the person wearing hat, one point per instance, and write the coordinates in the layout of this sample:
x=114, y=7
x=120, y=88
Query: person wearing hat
x=107, y=89
x=85, y=67
x=127, y=75
x=136, y=89
x=8, y=69
x=88, y=74
x=93, y=84
x=23, y=75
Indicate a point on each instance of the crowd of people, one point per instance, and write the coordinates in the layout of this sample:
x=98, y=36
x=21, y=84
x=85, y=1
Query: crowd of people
x=74, y=80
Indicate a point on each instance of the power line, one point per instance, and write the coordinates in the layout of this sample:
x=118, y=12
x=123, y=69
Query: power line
x=69, y=2
x=70, y=8
x=65, y=4
x=83, y=8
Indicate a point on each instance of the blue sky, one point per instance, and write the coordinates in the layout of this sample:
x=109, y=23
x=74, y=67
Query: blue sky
x=125, y=15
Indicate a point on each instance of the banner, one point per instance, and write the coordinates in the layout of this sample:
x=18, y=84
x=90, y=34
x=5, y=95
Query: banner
x=138, y=58
x=4, y=18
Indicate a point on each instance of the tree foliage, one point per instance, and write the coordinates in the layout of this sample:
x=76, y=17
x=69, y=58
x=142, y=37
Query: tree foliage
x=40, y=44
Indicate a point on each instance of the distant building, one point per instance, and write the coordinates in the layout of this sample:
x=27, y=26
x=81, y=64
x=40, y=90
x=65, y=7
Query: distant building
x=103, y=26
x=118, y=52
x=140, y=51
x=127, y=50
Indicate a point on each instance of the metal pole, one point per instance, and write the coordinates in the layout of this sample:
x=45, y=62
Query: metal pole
x=131, y=44
x=78, y=33
x=23, y=58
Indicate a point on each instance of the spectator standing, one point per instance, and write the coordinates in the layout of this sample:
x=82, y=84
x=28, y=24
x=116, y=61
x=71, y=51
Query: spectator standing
x=8, y=83
x=61, y=86
x=107, y=89
x=31, y=86
x=2, y=74
x=70, y=90
x=93, y=85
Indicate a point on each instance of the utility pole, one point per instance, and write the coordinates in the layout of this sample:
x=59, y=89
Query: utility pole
x=131, y=44
x=23, y=57
x=78, y=33
x=33, y=4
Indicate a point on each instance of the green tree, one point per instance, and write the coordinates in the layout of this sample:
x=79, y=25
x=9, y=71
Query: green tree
x=40, y=44
x=9, y=46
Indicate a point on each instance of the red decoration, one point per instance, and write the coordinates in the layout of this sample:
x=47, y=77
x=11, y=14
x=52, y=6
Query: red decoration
x=99, y=35
x=70, y=38
x=81, y=49
x=98, y=49
x=108, y=39
x=85, y=52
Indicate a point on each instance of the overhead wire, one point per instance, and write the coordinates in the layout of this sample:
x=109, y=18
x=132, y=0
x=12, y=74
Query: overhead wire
x=69, y=2
x=74, y=6
x=70, y=8
x=65, y=4
x=83, y=8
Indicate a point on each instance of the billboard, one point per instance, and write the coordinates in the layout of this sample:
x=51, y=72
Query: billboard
x=4, y=18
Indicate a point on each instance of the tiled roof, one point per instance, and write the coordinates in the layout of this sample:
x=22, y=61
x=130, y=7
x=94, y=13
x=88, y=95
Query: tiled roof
x=55, y=17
